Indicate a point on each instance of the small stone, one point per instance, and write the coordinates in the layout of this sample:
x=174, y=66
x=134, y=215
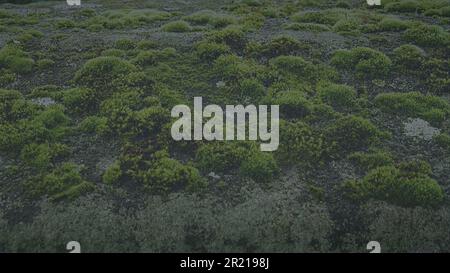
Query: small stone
x=221, y=84
x=213, y=175
x=421, y=129
x=44, y=101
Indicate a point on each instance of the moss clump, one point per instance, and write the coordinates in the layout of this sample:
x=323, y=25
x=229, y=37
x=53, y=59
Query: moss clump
x=64, y=182
x=234, y=69
x=404, y=6
x=205, y=17
x=371, y=160
x=292, y=104
x=392, y=24
x=409, y=57
x=437, y=75
x=298, y=68
x=100, y=73
x=177, y=26
x=347, y=27
x=232, y=36
x=153, y=57
x=43, y=156
x=166, y=175
x=94, y=125
x=209, y=51
x=124, y=19
x=353, y=133
x=443, y=140
x=427, y=35
x=15, y=59
x=221, y=157
x=237, y=158
x=81, y=100
x=278, y=46
x=414, y=105
x=6, y=77
x=44, y=64
x=260, y=166
x=65, y=23
x=112, y=174
x=300, y=144
x=408, y=185
x=125, y=44
x=340, y=97
x=366, y=62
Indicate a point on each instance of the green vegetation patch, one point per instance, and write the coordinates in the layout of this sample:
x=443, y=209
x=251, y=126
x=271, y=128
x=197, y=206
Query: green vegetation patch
x=409, y=184
x=414, y=105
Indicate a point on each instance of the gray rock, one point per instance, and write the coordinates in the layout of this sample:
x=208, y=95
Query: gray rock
x=213, y=175
x=44, y=101
x=420, y=128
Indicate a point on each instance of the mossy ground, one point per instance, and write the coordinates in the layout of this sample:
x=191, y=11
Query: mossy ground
x=86, y=94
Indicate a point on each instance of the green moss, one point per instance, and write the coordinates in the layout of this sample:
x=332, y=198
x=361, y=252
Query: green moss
x=340, y=97
x=81, y=100
x=8, y=95
x=299, y=68
x=399, y=186
x=443, y=140
x=259, y=166
x=437, y=74
x=152, y=57
x=53, y=117
x=232, y=36
x=405, y=6
x=209, y=51
x=278, y=46
x=221, y=157
x=427, y=35
x=414, y=105
x=235, y=69
x=366, y=62
x=292, y=104
x=147, y=44
x=300, y=145
x=167, y=174
x=177, y=26
x=51, y=91
x=409, y=57
x=352, y=133
x=100, y=73
x=42, y=156
x=205, y=17
x=15, y=59
x=125, y=19
x=65, y=23
x=125, y=44
x=6, y=77
x=44, y=64
x=112, y=174
x=347, y=26
x=371, y=160
x=94, y=124
x=392, y=24
x=64, y=182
